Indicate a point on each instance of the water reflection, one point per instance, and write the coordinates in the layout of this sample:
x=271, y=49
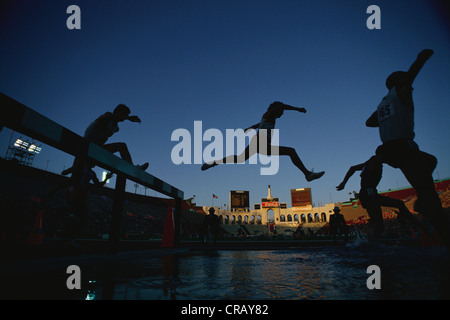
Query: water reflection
x=325, y=273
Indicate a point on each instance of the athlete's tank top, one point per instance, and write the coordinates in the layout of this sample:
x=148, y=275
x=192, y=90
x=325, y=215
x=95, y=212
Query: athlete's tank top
x=101, y=129
x=395, y=120
x=268, y=124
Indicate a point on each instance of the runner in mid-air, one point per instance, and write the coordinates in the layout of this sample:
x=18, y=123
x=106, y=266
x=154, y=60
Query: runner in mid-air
x=395, y=119
x=99, y=131
x=267, y=122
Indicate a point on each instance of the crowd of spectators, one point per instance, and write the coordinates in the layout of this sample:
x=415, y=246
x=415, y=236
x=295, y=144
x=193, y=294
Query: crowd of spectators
x=22, y=198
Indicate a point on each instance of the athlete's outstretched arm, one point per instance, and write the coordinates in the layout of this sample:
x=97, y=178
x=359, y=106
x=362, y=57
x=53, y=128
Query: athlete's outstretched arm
x=404, y=86
x=422, y=57
x=350, y=172
x=134, y=119
x=288, y=107
x=280, y=107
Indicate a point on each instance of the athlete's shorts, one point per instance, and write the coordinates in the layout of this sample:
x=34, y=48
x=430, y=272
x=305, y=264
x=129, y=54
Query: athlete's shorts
x=368, y=197
x=398, y=153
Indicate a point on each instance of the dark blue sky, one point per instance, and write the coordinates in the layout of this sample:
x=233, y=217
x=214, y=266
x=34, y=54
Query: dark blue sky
x=223, y=63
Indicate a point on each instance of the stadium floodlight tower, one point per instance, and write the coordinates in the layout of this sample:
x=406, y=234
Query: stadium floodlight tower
x=23, y=151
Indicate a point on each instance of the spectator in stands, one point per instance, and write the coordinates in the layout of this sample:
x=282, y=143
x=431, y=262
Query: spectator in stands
x=395, y=119
x=371, y=172
x=337, y=224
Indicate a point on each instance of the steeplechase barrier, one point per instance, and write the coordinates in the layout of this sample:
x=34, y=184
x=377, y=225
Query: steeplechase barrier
x=18, y=117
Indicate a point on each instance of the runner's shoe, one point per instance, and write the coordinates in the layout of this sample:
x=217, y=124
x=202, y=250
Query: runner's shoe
x=143, y=166
x=314, y=175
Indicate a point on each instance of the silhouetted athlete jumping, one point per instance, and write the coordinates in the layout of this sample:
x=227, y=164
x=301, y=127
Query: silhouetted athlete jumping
x=99, y=131
x=275, y=111
x=106, y=125
x=371, y=172
x=395, y=119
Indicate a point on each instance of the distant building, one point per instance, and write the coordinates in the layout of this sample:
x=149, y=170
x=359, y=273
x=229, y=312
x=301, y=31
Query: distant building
x=271, y=211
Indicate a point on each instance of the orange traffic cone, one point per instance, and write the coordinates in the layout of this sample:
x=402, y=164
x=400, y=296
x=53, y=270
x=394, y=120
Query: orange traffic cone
x=168, y=235
x=37, y=232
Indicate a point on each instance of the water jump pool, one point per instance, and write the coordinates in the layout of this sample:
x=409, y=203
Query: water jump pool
x=325, y=273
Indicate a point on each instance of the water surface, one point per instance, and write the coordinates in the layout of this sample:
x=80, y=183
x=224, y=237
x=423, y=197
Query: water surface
x=307, y=273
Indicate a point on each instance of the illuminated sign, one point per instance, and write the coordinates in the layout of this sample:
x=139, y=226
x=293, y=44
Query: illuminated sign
x=270, y=204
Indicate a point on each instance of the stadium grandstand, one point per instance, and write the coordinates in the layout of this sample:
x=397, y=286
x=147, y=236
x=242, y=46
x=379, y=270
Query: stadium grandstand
x=143, y=218
x=23, y=188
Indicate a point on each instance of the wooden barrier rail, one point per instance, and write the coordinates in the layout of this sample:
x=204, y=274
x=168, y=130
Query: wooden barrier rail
x=21, y=118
